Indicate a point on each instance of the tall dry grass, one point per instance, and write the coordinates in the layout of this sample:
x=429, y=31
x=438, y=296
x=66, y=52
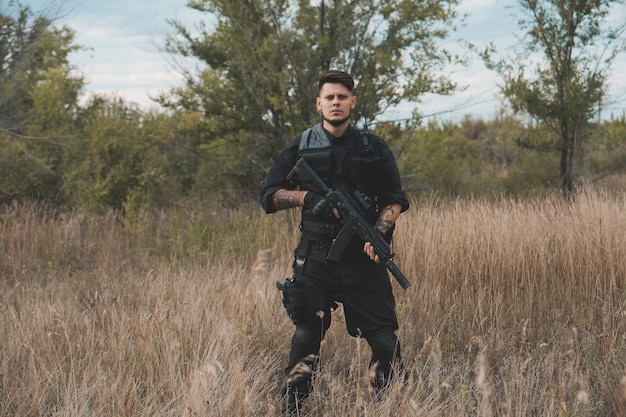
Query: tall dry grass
x=517, y=308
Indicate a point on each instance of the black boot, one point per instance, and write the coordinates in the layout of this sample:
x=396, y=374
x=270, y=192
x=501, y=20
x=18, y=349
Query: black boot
x=291, y=401
x=297, y=386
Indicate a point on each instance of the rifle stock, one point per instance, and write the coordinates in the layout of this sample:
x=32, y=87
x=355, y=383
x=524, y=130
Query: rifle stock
x=351, y=220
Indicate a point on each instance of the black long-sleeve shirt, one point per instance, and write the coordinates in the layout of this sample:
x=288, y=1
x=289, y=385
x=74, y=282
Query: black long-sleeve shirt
x=380, y=181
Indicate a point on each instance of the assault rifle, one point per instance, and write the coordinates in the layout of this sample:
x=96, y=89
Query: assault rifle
x=351, y=220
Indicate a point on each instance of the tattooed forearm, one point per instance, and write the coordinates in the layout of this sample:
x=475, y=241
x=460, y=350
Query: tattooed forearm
x=284, y=199
x=384, y=225
x=387, y=218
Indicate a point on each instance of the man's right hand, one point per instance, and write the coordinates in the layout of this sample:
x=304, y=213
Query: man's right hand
x=318, y=204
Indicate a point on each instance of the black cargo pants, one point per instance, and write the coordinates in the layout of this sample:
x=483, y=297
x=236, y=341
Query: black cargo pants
x=364, y=289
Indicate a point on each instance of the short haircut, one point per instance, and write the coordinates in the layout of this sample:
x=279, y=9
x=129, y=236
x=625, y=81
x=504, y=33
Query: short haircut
x=337, y=77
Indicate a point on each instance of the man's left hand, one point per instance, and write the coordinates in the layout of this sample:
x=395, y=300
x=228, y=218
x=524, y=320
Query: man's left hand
x=368, y=249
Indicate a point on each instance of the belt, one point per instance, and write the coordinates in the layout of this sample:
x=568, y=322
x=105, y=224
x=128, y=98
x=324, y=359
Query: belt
x=319, y=228
x=319, y=244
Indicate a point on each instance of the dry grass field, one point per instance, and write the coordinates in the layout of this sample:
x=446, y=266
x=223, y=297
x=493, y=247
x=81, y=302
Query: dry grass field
x=517, y=308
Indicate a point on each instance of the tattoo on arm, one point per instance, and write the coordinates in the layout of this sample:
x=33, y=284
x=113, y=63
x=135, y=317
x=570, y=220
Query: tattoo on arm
x=386, y=220
x=284, y=199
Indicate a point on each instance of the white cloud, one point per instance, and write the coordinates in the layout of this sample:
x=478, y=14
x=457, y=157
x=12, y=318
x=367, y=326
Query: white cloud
x=122, y=41
x=124, y=58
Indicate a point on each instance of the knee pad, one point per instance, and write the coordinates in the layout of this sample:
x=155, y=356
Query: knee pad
x=385, y=347
x=305, y=346
x=305, y=343
x=307, y=339
x=385, y=358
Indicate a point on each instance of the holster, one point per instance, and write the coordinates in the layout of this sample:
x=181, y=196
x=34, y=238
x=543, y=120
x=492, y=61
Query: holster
x=290, y=287
x=292, y=295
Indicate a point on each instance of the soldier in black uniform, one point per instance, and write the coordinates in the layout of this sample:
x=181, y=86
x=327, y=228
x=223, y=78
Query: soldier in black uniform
x=347, y=159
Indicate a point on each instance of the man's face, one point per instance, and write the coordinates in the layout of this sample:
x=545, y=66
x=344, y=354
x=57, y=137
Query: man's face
x=335, y=103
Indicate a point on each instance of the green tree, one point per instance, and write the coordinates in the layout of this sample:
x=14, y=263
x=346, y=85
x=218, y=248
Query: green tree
x=569, y=48
x=607, y=153
x=261, y=60
x=38, y=102
x=440, y=159
x=127, y=157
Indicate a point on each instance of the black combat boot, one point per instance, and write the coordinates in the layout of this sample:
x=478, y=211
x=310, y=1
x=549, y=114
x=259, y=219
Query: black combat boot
x=297, y=386
x=291, y=402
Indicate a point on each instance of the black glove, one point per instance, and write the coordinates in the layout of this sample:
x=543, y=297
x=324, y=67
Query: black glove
x=318, y=204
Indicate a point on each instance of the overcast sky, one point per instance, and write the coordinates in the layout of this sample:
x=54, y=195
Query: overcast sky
x=123, y=57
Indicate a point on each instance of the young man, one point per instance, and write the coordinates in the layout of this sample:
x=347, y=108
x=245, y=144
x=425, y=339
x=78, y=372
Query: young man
x=349, y=160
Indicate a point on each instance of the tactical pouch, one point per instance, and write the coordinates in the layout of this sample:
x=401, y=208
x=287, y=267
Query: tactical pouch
x=321, y=159
x=292, y=295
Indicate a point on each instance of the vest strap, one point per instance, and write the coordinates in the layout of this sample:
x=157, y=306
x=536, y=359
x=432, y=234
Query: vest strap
x=315, y=137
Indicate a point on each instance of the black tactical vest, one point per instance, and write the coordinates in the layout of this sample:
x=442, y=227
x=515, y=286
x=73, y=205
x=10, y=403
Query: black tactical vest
x=333, y=163
x=358, y=168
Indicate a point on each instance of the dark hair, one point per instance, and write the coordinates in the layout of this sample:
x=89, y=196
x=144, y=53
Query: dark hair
x=337, y=77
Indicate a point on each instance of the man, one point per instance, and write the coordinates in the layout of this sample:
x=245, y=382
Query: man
x=349, y=160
